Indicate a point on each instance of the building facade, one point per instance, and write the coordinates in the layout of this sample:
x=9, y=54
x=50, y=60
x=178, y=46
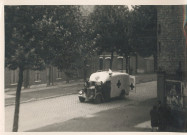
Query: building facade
x=171, y=46
x=102, y=62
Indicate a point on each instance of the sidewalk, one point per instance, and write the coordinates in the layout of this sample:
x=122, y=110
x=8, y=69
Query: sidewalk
x=142, y=78
x=44, y=86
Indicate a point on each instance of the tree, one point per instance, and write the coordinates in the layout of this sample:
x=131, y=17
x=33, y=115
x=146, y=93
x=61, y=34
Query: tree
x=110, y=28
x=21, y=48
x=143, y=35
x=60, y=34
x=87, y=43
x=40, y=36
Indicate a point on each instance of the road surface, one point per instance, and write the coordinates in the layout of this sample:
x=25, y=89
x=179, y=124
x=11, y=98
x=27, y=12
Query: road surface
x=41, y=113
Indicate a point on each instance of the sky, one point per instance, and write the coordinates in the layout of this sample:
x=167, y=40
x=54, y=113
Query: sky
x=89, y=8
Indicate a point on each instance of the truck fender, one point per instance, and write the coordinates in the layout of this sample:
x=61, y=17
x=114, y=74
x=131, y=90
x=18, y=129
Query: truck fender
x=99, y=93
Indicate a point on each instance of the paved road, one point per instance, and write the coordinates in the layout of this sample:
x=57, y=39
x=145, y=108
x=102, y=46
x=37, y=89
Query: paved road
x=61, y=109
x=133, y=117
x=39, y=92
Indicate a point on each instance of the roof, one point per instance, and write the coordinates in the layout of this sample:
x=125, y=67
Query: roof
x=104, y=76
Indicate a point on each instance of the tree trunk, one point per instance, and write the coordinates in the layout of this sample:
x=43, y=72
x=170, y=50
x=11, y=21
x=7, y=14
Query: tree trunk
x=27, y=79
x=67, y=76
x=85, y=70
x=122, y=65
x=155, y=62
x=52, y=74
x=127, y=63
x=17, y=101
x=136, y=64
x=48, y=76
x=111, y=60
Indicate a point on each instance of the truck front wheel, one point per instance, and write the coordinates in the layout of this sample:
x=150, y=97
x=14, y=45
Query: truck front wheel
x=98, y=99
x=81, y=99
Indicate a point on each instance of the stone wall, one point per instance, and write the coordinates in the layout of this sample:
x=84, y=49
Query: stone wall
x=170, y=38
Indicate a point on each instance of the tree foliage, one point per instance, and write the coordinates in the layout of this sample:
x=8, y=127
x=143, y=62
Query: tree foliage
x=59, y=36
x=20, y=44
x=143, y=35
x=110, y=28
x=110, y=24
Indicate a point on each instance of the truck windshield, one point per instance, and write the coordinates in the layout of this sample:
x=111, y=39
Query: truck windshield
x=91, y=83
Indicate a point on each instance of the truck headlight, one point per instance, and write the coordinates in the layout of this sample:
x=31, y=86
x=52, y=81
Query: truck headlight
x=80, y=92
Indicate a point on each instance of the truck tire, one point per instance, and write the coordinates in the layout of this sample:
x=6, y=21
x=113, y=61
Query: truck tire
x=122, y=95
x=107, y=97
x=98, y=99
x=81, y=99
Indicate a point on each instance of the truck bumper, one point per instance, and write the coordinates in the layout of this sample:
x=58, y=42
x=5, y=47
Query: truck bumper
x=87, y=98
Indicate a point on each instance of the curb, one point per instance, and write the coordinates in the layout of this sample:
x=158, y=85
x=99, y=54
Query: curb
x=34, y=100
x=44, y=88
x=146, y=81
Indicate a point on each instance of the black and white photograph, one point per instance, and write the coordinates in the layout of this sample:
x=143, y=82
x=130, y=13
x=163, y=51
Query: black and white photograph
x=95, y=68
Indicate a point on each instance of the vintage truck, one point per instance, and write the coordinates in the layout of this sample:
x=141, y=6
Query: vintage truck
x=104, y=85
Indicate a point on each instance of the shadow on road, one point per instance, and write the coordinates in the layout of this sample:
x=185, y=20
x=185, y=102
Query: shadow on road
x=121, y=119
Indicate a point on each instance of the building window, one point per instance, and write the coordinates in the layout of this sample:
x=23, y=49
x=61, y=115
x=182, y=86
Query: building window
x=159, y=48
x=107, y=63
x=159, y=29
x=14, y=77
x=100, y=63
x=120, y=63
x=37, y=76
x=58, y=74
